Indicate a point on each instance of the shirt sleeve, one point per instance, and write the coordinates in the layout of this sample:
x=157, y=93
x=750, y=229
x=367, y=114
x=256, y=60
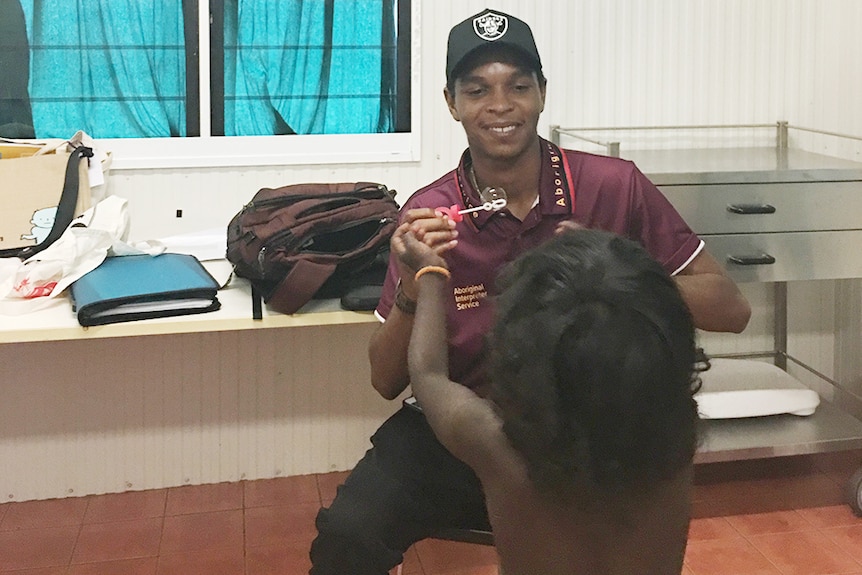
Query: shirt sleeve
x=387, y=296
x=657, y=225
x=433, y=195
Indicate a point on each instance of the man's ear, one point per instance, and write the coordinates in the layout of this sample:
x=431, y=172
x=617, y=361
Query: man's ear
x=450, y=102
x=543, y=90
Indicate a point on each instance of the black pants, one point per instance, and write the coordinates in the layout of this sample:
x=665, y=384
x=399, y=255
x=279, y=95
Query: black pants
x=406, y=488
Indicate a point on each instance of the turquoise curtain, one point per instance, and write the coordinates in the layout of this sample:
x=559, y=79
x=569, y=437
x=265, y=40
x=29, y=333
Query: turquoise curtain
x=308, y=67
x=117, y=68
x=113, y=68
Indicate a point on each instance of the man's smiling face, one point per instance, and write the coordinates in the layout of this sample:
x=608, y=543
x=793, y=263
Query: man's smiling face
x=498, y=102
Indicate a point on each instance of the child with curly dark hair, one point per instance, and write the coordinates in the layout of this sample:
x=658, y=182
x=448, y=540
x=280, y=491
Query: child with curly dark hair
x=584, y=444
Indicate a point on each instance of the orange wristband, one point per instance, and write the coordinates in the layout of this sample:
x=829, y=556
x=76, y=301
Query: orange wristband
x=433, y=270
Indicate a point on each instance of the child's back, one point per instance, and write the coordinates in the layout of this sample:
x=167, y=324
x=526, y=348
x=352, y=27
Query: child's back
x=642, y=534
x=584, y=446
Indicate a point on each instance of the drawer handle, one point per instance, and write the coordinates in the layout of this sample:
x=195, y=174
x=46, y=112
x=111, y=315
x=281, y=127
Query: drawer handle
x=761, y=260
x=746, y=209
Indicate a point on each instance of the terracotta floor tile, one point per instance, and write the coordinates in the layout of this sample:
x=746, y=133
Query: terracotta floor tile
x=143, y=566
x=118, y=540
x=36, y=548
x=478, y=570
x=776, y=518
x=281, y=491
x=204, y=498
x=849, y=539
x=45, y=571
x=437, y=556
x=327, y=484
x=411, y=565
x=265, y=526
x=709, y=509
x=831, y=516
x=804, y=553
x=711, y=528
x=740, y=505
x=46, y=513
x=286, y=559
x=727, y=557
x=202, y=531
x=773, y=522
x=125, y=506
x=226, y=561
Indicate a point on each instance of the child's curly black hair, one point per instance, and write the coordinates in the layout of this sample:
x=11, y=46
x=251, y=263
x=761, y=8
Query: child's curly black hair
x=594, y=366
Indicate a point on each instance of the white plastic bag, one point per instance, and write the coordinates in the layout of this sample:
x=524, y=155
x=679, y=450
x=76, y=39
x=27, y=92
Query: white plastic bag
x=32, y=284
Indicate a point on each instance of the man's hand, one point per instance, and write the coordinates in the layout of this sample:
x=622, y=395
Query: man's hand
x=567, y=225
x=433, y=228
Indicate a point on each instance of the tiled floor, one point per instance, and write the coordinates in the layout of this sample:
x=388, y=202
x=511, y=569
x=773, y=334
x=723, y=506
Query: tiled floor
x=772, y=517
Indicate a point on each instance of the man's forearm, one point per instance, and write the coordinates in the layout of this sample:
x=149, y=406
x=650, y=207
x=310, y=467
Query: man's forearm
x=715, y=302
x=387, y=353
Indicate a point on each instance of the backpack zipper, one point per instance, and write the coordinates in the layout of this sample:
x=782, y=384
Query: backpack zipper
x=274, y=241
x=288, y=200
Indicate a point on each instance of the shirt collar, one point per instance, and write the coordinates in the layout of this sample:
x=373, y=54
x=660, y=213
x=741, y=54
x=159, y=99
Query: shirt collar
x=554, y=194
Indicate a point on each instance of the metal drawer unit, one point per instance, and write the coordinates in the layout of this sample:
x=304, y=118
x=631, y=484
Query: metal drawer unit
x=789, y=215
x=769, y=215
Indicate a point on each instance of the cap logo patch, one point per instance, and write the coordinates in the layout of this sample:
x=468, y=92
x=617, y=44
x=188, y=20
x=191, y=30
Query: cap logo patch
x=490, y=26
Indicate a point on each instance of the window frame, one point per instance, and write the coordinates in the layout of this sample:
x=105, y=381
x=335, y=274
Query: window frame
x=248, y=151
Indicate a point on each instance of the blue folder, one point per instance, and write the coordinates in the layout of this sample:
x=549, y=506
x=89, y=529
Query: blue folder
x=128, y=288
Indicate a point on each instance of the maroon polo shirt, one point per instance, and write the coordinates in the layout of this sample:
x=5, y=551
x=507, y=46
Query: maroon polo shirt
x=598, y=192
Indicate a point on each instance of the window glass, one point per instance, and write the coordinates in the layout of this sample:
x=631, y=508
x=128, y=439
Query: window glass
x=319, y=67
x=113, y=69
x=130, y=70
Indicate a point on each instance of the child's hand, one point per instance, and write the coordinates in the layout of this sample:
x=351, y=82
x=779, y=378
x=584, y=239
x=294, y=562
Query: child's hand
x=431, y=235
x=413, y=253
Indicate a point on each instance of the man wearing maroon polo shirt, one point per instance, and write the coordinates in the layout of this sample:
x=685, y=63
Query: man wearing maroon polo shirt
x=408, y=486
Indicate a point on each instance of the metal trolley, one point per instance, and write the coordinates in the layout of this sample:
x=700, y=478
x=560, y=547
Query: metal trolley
x=764, y=210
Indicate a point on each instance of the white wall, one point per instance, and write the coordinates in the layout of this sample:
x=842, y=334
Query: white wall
x=609, y=63
x=135, y=413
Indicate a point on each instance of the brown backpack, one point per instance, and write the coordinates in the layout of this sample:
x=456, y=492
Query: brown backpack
x=291, y=241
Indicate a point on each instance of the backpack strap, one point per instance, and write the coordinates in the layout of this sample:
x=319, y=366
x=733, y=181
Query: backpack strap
x=299, y=285
x=256, y=303
x=67, y=205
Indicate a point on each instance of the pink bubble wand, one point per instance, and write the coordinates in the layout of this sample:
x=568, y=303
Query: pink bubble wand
x=456, y=215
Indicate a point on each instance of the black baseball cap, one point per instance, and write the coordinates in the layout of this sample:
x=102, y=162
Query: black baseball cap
x=489, y=27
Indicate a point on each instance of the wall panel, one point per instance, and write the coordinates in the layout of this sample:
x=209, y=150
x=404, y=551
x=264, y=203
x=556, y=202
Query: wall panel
x=134, y=413
x=609, y=63
x=105, y=416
